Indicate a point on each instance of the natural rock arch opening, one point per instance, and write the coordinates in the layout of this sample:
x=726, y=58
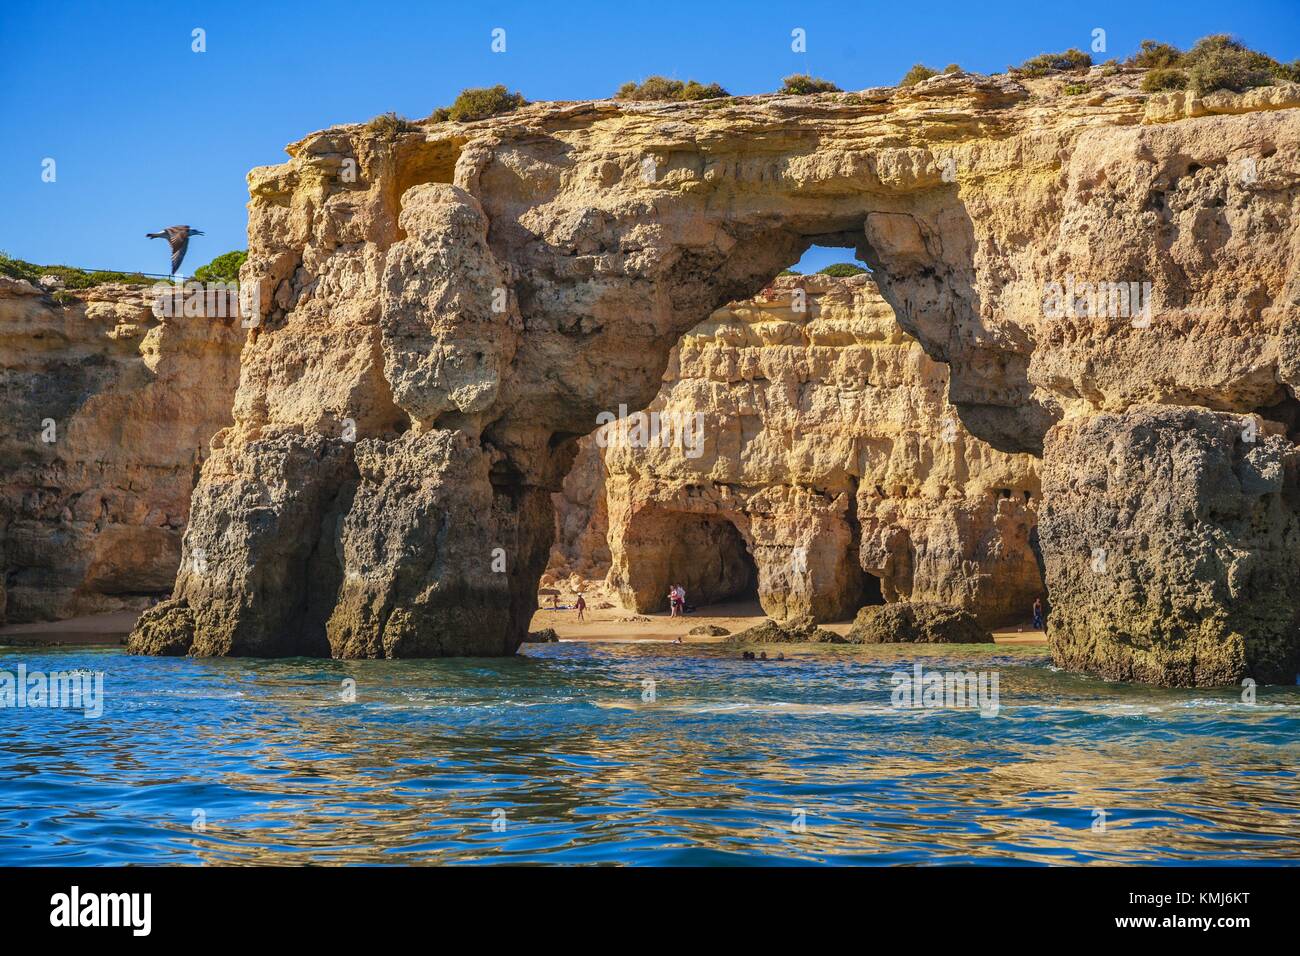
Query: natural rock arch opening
x=816, y=416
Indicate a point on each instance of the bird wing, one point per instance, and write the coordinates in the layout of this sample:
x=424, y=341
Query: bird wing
x=178, y=237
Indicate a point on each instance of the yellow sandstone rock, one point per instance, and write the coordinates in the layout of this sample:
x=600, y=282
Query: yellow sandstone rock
x=472, y=300
x=108, y=412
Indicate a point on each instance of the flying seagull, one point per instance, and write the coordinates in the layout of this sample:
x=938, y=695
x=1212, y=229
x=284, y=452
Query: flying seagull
x=178, y=237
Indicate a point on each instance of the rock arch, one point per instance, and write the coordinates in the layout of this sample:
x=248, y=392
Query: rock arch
x=827, y=436
x=472, y=330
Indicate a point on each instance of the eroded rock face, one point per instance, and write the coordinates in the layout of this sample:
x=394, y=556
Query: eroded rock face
x=805, y=451
x=509, y=280
x=108, y=412
x=1172, y=541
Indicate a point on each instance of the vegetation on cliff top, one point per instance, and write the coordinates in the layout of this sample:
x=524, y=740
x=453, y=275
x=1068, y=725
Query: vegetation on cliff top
x=224, y=268
x=1153, y=55
x=836, y=270
x=478, y=103
x=920, y=71
x=801, y=84
x=1215, y=62
x=841, y=270
x=72, y=278
x=1047, y=63
x=388, y=125
x=662, y=88
x=1164, y=78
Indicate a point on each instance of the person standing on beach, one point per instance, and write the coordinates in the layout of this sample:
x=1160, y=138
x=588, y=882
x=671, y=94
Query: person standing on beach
x=581, y=605
x=1038, y=614
x=672, y=600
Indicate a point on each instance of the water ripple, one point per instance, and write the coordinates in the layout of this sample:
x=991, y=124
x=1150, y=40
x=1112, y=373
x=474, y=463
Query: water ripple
x=560, y=755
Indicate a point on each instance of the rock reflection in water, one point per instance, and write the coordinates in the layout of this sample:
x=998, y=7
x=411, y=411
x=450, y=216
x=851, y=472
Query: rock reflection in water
x=555, y=757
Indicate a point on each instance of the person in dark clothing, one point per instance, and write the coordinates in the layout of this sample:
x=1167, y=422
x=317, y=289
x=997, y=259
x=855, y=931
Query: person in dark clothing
x=1038, y=614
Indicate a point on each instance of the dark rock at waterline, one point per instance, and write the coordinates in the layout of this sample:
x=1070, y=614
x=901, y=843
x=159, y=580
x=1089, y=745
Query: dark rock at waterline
x=712, y=630
x=922, y=622
x=795, y=631
x=164, y=630
x=1171, y=543
x=546, y=635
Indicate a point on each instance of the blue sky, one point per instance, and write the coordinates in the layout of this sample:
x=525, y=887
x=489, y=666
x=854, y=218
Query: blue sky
x=146, y=133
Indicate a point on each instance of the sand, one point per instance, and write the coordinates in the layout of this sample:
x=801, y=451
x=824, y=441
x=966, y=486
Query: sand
x=605, y=624
x=618, y=625
x=93, y=629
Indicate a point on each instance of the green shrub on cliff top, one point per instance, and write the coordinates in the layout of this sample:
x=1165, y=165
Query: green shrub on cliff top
x=388, y=125
x=662, y=88
x=72, y=278
x=1047, y=63
x=482, y=102
x=1215, y=62
x=916, y=74
x=801, y=84
x=1218, y=62
x=224, y=268
x=1153, y=55
x=1164, y=78
x=840, y=270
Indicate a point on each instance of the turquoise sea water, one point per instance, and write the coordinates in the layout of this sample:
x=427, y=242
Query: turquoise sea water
x=555, y=757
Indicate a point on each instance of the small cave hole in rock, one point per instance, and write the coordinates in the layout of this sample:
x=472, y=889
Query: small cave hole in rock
x=832, y=260
x=1284, y=412
x=871, y=592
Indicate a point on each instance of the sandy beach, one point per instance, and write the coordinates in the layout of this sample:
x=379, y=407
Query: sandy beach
x=618, y=625
x=604, y=624
x=92, y=629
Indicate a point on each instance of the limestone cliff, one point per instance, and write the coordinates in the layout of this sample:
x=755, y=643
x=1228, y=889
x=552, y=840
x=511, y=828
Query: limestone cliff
x=108, y=413
x=467, y=299
x=827, y=448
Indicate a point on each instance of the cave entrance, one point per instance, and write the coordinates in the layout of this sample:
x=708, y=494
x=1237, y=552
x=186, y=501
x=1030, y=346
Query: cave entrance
x=1285, y=412
x=710, y=559
x=871, y=592
x=707, y=554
